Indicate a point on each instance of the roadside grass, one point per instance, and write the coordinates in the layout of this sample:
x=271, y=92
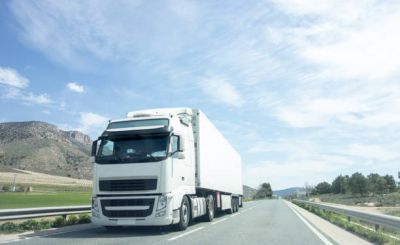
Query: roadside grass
x=31, y=200
x=47, y=188
x=381, y=200
x=36, y=225
x=354, y=226
x=392, y=212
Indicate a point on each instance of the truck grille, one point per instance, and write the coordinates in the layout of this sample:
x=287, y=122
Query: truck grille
x=127, y=202
x=128, y=185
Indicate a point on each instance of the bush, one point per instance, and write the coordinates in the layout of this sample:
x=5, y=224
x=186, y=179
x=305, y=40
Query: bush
x=72, y=219
x=6, y=188
x=58, y=222
x=84, y=218
x=30, y=225
x=9, y=227
x=45, y=224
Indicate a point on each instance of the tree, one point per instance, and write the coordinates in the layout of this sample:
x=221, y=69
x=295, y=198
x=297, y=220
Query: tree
x=323, y=188
x=264, y=191
x=340, y=184
x=358, y=184
x=390, y=183
x=376, y=183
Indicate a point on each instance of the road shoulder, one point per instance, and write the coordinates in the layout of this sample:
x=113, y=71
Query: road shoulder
x=337, y=234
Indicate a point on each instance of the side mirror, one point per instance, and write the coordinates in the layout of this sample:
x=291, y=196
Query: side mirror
x=179, y=155
x=94, y=148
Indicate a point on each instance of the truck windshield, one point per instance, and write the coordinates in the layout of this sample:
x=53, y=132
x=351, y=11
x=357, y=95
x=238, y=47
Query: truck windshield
x=132, y=150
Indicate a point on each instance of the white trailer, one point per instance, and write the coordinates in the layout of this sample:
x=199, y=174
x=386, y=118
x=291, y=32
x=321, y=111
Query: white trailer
x=163, y=167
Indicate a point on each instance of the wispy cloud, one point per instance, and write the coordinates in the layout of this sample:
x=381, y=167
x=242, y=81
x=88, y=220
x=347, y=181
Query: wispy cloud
x=11, y=77
x=221, y=91
x=75, y=87
x=15, y=86
x=39, y=99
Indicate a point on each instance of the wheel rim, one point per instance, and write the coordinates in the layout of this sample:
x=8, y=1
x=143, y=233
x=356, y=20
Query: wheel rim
x=185, y=213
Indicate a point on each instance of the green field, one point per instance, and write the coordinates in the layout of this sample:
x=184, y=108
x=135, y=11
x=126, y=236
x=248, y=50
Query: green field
x=30, y=200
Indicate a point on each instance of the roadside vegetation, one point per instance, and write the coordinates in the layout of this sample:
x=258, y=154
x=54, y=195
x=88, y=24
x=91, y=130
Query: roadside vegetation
x=357, y=189
x=29, y=196
x=36, y=225
x=31, y=200
x=355, y=226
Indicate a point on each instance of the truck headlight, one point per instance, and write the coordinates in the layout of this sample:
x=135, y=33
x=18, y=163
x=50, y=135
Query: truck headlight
x=162, y=202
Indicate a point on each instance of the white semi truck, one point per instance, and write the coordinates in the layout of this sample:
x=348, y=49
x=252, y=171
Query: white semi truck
x=163, y=167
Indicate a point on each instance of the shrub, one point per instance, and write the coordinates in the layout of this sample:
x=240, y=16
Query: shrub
x=58, y=222
x=30, y=225
x=72, y=219
x=84, y=218
x=9, y=227
x=45, y=224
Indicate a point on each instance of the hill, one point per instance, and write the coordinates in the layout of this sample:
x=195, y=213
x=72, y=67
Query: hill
x=289, y=191
x=42, y=147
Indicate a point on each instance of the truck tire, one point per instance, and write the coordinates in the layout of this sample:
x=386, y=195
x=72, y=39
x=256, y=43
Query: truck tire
x=235, y=208
x=237, y=204
x=231, y=210
x=210, y=208
x=184, y=215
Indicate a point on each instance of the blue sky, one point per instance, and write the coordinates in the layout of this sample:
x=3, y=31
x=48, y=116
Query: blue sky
x=304, y=90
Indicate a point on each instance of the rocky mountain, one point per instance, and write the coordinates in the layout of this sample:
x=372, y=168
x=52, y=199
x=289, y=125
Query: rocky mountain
x=248, y=192
x=42, y=147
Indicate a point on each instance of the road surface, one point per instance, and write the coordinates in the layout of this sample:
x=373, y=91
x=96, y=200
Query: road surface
x=261, y=222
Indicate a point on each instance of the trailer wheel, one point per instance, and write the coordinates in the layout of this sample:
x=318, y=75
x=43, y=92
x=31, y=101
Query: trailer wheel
x=237, y=204
x=235, y=208
x=184, y=213
x=231, y=210
x=210, y=208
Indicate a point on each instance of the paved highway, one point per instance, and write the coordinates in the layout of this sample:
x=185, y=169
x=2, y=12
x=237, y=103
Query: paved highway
x=262, y=222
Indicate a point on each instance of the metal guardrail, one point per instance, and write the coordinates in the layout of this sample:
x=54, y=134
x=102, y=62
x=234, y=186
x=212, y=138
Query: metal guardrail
x=26, y=213
x=378, y=220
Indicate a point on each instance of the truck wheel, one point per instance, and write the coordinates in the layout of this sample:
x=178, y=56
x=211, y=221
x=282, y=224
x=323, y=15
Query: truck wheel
x=210, y=208
x=231, y=210
x=184, y=213
x=237, y=205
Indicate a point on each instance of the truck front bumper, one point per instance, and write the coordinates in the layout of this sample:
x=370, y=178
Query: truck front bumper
x=132, y=211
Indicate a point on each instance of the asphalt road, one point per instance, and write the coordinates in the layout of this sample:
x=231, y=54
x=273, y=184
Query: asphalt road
x=262, y=222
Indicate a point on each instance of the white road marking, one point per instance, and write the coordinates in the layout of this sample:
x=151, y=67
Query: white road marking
x=216, y=222
x=185, y=234
x=316, y=232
